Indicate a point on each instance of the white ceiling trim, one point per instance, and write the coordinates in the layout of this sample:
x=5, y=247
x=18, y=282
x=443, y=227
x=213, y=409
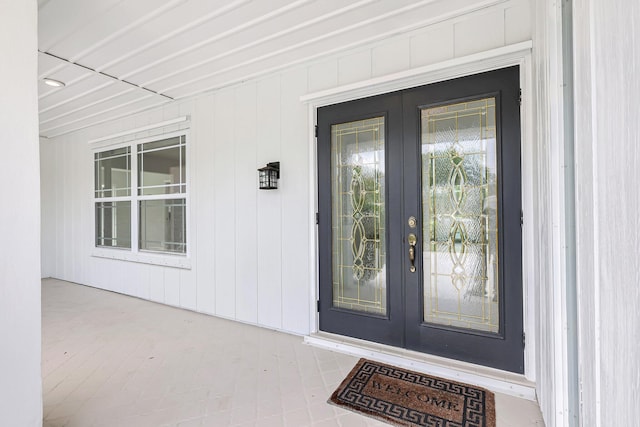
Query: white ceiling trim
x=219, y=36
x=272, y=36
x=208, y=17
x=140, y=129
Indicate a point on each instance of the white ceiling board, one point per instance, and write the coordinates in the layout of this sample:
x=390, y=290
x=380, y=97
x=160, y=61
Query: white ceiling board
x=112, y=24
x=44, y=89
x=77, y=90
x=290, y=49
x=93, y=110
x=283, y=30
x=69, y=74
x=46, y=64
x=182, y=48
x=70, y=79
x=160, y=29
x=108, y=93
x=58, y=19
x=237, y=20
x=57, y=69
x=64, y=126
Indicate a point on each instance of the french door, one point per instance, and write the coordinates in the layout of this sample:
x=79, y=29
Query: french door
x=420, y=219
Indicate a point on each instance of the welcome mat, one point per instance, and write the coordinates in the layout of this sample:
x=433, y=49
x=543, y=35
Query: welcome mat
x=407, y=398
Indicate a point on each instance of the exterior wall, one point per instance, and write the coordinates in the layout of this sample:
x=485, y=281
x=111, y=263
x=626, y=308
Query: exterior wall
x=20, y=373
x=250, y=248
x=606, y=46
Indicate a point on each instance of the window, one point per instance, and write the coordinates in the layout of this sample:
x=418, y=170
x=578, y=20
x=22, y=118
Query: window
x=113, y=201
x=156, y=210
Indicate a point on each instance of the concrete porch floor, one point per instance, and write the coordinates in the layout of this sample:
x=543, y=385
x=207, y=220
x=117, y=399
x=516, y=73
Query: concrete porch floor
x=113, y=360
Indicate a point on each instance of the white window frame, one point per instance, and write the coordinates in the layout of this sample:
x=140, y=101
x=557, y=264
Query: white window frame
x=135, y=254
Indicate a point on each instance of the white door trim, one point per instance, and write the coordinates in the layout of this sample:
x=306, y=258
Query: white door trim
x=488, y=60
x=516, y=54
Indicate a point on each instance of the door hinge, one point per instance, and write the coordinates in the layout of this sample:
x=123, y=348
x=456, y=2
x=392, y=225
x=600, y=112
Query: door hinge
x=523, y=340
x=317, y=218
x=519, y=97
x=318, y=305
x=521, y=218
x=316, y=131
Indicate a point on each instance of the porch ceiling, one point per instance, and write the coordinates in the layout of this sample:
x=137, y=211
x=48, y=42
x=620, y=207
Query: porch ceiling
x=119, y=57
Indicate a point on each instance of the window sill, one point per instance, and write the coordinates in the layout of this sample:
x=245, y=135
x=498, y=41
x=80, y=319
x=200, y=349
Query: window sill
x=166, y=260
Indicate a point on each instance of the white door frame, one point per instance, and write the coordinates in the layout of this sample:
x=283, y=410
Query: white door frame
x=516, y=54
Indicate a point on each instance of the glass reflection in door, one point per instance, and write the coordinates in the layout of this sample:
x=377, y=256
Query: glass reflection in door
x=460, y=223
x=358, y=222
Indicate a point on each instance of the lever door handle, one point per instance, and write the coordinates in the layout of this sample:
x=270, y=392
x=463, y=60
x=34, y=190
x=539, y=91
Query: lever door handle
x=412, y=251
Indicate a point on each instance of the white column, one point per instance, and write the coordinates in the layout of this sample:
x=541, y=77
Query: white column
x=20, y=373
x=607, y=146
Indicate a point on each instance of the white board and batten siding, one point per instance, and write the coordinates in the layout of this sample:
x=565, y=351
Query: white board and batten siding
x=249, y=249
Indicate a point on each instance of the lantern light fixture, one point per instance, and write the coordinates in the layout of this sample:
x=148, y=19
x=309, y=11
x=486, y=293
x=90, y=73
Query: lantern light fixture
x=269, y=176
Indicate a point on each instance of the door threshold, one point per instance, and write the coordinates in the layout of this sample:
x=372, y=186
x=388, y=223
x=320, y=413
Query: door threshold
x=492, y=379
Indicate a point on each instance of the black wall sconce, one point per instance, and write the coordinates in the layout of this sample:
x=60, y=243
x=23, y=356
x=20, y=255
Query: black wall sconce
x=269, y=176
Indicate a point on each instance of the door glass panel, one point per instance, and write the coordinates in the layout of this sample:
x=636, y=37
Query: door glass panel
x=358, y=222
x=459, y=188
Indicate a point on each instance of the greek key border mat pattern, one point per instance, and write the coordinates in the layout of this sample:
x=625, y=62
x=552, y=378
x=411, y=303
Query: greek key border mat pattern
x=407, y=398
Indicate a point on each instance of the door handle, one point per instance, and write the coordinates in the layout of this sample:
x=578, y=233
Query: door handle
x=412, y=251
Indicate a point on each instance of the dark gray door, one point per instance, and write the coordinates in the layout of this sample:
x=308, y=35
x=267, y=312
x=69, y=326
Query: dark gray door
x=420, y=206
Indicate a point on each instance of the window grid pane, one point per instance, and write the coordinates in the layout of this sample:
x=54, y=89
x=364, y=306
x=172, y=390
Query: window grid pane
x=163, y=225
x=113, y=173
x=161, y=167
x=113, y=224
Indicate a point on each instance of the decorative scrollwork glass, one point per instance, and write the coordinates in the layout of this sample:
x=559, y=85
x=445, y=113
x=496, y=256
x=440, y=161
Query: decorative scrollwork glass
x=358, y=219
x=459, y=192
